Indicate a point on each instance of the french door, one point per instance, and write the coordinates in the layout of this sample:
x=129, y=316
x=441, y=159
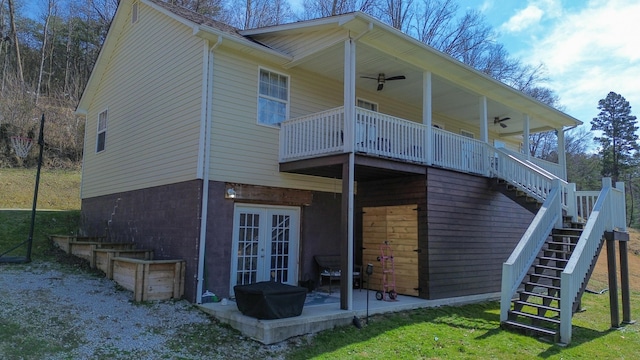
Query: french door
x=265, y=244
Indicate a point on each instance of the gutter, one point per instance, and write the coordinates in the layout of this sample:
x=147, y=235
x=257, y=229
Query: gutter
x=207, y=78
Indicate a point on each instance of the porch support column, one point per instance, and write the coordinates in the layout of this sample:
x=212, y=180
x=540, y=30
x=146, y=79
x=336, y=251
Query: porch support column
x=526, y=131
x=348, y=177
x=346, y=232
x=484, y=125
x=562, y=154
x=349, y=95
x=427, y=119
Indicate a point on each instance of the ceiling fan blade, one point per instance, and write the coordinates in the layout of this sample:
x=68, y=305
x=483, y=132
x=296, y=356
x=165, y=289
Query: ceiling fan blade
x=369, y=77
x=380, y=85
x=399, y=77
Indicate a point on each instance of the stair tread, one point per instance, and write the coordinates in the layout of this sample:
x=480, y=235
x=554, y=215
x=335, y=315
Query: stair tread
x=542, y=285
x=530, y=327
x=561, y=243
x=530, y=293
x=550, y=258
x=548, y=267
x=552, y=277
x=560, y=251
x=536, y=317
x=540, y=306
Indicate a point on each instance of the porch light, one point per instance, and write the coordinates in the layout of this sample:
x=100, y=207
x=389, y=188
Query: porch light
x=230, y=194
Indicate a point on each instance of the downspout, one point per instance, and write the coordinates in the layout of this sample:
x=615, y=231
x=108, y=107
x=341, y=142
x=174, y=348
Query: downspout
x=207, y=97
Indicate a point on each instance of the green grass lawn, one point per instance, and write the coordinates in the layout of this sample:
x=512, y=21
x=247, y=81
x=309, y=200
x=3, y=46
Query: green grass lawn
x=15, y=225
x=59, y=189
x=473, y=332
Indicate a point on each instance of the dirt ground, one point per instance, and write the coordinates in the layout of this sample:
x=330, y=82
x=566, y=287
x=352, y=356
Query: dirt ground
x=601, y=274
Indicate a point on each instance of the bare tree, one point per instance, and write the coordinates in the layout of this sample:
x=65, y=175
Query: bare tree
x=249, y=14
x=324, y=8
x=45, y=36
x=398, y=13
x=16, y=43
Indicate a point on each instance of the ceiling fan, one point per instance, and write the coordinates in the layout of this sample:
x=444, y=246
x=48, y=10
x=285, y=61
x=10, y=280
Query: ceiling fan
x=497, y=120
x=381, y=79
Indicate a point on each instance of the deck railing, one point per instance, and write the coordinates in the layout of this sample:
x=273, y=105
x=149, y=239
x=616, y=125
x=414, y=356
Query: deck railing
x=608, y=215
x=381, y=135
x=384, y=135
x=457, y=152
x=585, y=202
x=312, y=135
x=518, y=264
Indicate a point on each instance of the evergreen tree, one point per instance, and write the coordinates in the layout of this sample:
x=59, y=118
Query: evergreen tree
x=619, y=140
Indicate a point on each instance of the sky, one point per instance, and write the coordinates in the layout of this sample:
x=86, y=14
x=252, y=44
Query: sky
x=588, y=47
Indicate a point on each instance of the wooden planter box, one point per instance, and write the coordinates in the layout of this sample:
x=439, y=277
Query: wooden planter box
x=84, y=249
x=150, y=279
x=63, y=241
x=103, y=258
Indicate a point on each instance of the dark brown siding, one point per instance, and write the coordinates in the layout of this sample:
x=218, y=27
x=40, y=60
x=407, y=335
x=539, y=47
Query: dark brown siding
x=472, y=230
x=320, y=232
x=390, y=192
x=219, y=241
x=164, y=219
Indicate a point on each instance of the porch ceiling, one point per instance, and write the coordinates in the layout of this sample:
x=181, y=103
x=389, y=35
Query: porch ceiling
x=456, y=88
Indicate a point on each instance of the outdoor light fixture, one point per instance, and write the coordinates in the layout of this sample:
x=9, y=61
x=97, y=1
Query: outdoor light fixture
x=231, y=193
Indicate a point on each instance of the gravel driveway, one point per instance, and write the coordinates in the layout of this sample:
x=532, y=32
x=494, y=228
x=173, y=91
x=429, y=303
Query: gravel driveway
x=50, y=310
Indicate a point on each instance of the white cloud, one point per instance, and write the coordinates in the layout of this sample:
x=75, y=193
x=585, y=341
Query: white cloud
x=530, y=15
x=533, y=15
x=589, y=52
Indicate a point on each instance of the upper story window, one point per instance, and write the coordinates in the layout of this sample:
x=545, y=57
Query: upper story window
x=468, y=134
x=273, y=98
x=134, y=12
x=365, y=104
x=102, y=131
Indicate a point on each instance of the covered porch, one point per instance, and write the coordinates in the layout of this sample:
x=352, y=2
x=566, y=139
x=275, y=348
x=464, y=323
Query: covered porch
x=362, y=126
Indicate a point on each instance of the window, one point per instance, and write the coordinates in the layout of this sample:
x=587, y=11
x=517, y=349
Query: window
x=466, y=133
x=102, y=131
x=367, y=105
x=134, y=12
x=273, y=98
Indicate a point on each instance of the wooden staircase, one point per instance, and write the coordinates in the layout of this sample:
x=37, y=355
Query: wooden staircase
x=515, y=194
x=535, y=309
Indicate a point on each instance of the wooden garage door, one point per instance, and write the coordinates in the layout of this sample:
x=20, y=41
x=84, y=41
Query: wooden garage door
x=399, y=226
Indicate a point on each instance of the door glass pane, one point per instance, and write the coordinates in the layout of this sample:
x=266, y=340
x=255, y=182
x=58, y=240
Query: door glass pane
x=248, y=237
x=280, y=237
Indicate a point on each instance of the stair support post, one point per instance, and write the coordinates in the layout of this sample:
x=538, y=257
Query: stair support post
x=624, y=283
x=613, y=283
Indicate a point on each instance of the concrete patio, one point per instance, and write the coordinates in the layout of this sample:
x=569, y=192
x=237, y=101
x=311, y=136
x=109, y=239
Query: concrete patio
x=318, y=317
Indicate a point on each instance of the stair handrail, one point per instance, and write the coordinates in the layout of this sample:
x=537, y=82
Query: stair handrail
x=536, y=162
x=517, y=265
x=532, y=179
x=608, y=214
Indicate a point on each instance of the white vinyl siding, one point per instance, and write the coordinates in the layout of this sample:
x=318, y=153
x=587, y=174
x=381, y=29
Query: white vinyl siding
x=152, y=85
x=247, y=153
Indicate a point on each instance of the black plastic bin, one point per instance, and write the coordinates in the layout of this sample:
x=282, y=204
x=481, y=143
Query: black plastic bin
x=270, y=300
